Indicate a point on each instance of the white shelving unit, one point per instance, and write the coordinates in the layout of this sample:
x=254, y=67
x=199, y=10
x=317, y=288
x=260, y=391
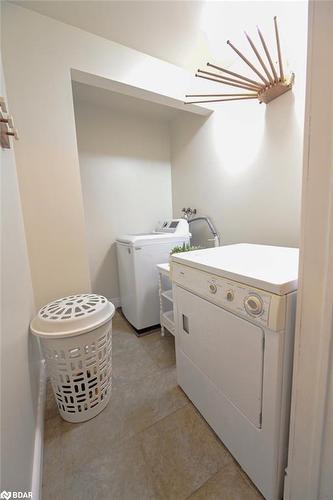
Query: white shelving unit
x=167, y=295
x=166, y=299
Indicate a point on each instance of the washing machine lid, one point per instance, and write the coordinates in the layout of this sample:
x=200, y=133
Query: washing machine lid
x=270, y=268
x=150, y=238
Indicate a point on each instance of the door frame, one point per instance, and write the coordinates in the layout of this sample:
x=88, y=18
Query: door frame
x=313, y=360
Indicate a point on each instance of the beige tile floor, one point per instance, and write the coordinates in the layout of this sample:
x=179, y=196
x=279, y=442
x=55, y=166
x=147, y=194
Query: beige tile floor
x=149, y=443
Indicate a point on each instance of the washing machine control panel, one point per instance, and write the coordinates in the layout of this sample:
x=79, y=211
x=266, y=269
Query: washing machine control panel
x=257, y=305
x=174, y=226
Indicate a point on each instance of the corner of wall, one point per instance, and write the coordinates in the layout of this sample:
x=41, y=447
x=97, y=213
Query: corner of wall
x=37, y=467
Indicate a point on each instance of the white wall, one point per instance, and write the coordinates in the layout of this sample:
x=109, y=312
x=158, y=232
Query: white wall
x=242, y=166
x=19, y=352
x=126, y=182
x=38, y=55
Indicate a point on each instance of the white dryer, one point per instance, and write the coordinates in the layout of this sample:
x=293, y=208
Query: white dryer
x=234, y=312
x=138, y=256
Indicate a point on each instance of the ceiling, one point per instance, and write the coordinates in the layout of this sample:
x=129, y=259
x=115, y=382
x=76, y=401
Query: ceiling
x=167, y=30
x=183, y=32
x=120, y=102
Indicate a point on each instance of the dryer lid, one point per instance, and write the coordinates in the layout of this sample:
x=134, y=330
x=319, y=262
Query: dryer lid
x=270, y=268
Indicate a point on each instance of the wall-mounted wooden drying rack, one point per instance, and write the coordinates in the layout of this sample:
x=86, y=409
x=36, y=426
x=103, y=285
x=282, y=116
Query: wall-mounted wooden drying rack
x=7, y=129
x=273, y=81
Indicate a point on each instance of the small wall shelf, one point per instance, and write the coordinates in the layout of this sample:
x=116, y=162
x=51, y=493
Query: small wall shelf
x=166, y=299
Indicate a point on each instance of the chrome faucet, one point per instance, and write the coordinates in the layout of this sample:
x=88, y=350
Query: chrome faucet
x=188, y=212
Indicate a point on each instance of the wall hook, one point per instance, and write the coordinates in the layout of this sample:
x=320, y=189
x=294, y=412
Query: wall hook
x=7, y=128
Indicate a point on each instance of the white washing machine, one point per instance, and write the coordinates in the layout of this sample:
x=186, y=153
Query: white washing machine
x=234, y=318
x=138, y=256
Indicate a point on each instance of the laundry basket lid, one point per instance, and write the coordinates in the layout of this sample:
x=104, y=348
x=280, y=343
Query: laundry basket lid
x=72, y=315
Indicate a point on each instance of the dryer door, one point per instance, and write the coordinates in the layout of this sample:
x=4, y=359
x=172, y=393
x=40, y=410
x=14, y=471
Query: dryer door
x=225, y=348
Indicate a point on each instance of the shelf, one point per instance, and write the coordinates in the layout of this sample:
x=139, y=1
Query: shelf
x=168, y=321
x=166, y=299
x=167, y=294
x=164, y=269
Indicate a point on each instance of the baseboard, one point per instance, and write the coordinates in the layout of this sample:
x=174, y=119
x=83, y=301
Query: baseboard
x=37, y=468
x=116, y=302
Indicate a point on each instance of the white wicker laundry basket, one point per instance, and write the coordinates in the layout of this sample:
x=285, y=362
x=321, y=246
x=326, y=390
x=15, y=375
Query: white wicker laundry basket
x=76, y=337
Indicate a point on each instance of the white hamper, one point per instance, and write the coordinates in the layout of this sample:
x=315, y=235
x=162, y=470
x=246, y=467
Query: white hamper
x=76, y=338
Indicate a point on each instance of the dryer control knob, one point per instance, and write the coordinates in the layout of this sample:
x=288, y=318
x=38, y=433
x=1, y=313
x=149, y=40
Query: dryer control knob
x=230, y=295
x=212, y=288
x=254, y=305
